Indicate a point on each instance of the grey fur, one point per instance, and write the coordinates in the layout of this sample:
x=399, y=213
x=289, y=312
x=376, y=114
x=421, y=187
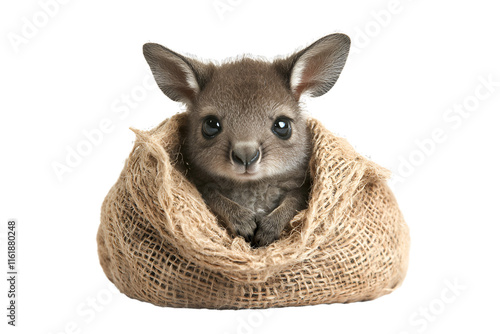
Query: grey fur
x=247, y=95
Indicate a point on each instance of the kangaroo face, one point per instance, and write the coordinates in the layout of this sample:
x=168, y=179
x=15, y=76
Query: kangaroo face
x=246, y=124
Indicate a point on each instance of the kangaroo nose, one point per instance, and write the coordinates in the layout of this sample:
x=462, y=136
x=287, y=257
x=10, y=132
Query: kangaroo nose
x=245, y=154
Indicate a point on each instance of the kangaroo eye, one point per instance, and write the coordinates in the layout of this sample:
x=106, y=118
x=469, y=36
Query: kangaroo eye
x=282, y=128
x=211, y=127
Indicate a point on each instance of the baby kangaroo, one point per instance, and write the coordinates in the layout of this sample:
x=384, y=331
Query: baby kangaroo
x=247, y=144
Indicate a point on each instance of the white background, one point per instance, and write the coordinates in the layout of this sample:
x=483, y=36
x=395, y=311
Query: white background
x=415, y=64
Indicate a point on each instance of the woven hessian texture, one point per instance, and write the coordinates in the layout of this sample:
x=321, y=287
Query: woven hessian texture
x=158, y=242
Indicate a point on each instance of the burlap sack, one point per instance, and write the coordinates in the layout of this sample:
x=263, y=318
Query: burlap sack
x=158, y=242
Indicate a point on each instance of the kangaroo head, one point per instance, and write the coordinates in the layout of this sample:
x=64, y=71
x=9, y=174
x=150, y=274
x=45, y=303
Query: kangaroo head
x=245, y=119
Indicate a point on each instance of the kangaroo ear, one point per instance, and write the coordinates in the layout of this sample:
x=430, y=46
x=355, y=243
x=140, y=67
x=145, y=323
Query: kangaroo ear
x=179, y=77
x=315, y=69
